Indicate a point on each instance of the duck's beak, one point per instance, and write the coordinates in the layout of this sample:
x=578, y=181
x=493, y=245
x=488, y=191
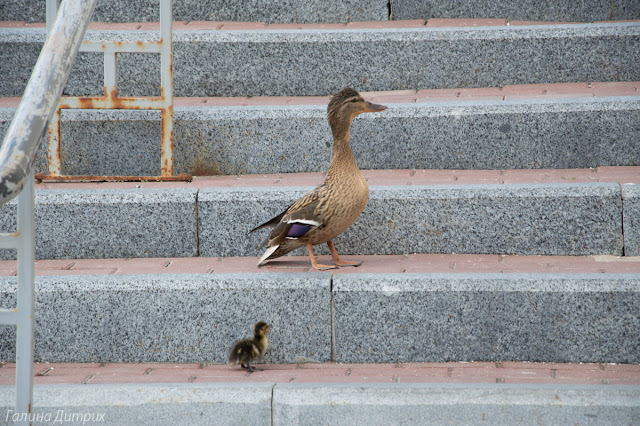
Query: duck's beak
x=369, y=107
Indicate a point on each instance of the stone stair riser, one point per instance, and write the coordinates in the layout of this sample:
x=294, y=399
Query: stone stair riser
x=174, y=318
x=111, y=223
x=277, y=11
x=554, y=219
x=266, y=404
x=554, y=133
x=330, y=11
x=391, y=403
x=374, y=317
x=320, y=62
x=525, y=219
x=528, y=317
x=631, y=219
x=559, y=10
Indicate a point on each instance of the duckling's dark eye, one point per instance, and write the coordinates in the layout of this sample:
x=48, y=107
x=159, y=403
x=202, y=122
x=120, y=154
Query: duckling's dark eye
x=353, y=100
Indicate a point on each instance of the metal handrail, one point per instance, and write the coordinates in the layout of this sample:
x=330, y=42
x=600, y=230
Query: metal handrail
x=41, y=95
x=18, y=151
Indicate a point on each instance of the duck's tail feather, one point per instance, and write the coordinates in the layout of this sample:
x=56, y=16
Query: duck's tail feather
x=271, y=223
x=267, y=253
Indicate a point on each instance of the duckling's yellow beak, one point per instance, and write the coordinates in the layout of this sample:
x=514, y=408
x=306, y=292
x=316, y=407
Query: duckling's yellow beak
x=369, y=107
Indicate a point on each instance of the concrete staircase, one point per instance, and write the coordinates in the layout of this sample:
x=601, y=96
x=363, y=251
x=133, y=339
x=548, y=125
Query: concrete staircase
x=503, y=222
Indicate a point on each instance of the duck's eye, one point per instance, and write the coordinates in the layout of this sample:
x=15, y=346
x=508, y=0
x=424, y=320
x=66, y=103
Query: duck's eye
x=353, y=100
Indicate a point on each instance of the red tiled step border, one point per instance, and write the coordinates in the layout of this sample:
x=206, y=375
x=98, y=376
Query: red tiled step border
x=451, y=372
x=617, y=174
x=508, y=92
x=411, y=263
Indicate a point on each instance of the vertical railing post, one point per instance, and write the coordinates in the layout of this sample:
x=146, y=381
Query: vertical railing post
x=55, y=157
x=52, y=11
x=166, y=64
x=25, y=302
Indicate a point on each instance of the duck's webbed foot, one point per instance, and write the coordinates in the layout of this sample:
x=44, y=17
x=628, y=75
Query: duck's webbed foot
x=314, y=261
x=336, y=257
x=250, y=368
x=348, y=263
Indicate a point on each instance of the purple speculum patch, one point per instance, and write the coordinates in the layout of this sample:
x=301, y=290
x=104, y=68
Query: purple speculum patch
x=297, y=230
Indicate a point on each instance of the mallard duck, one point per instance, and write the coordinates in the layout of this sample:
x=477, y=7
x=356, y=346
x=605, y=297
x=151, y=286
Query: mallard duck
x=326, y=212
x=246, y=350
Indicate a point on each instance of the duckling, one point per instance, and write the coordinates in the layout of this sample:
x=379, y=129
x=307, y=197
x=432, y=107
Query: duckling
x=326, y=212
x=246, y=350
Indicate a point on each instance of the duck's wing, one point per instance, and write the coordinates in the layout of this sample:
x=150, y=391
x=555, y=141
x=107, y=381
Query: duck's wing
x=300, y=204
x=296, y=220
x=299, y=219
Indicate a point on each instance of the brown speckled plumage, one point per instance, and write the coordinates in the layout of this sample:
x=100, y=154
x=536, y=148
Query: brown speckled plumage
x=332, y=207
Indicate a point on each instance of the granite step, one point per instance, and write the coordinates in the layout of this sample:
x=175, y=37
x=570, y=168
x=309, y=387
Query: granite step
x=527, y=212
x=455, y=392
x=570, y=125
x=331, y=11
x=419, y=308
x=407, y=55
x=552, y=219
x=267, y=403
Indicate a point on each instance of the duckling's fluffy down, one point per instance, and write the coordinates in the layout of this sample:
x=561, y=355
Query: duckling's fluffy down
x=244, y=352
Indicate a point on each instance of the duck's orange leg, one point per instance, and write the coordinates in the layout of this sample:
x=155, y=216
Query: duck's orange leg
x=315, y=263
x=336, y=257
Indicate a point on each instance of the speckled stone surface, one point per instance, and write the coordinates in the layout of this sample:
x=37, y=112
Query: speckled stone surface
x=552, y=133
x=108, y=143
x=487, y=317
x=337, y=403
x=174, y=318
x=320, y=62
x=150, y=404
x=560, y=10
x=339, y=10
x=110, y=223
x=280, y=11
x=241, y=140
x=244, y=209
x=469, y=404
x=553, y=219
x=558, y=133
x=631, y=219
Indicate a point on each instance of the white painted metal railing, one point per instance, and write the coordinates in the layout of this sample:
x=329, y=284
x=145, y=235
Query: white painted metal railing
x=40, y=105
x=18, y=151
x=22, y=316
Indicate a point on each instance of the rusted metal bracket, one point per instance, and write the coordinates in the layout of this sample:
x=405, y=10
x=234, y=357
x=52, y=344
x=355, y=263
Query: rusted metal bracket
x=41, y=177
x=111, y=100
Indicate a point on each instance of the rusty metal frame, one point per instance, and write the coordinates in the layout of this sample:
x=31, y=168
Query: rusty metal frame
x=111, y=100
